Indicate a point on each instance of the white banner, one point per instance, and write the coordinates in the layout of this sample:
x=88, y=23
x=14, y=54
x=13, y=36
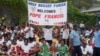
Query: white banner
x=47, y=13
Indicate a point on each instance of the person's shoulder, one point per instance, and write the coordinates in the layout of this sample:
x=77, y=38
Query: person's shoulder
x=66, y=46
x=99, y=31
x=72, y=31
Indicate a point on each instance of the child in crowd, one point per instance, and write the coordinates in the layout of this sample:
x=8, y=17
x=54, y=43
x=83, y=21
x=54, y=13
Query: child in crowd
x=63, y=49
x=4, y=48
x=56, y=33
x=36, y=49
x=90, y=48
x=55, y=40
x=53, y=49
x=87, y=49
x=26, y=48
x=84, y=49
x=44, y=49
x=15, y=49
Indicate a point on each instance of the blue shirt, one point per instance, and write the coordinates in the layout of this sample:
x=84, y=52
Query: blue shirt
x=74, y=35
x=97, y=38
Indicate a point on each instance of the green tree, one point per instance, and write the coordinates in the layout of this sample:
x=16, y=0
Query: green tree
x=18, y=7
x=19, y=10
x=74, y=14
x=82, y=3
x=78, y=3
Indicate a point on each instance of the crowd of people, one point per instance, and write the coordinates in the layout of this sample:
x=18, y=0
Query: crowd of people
x=71, y=39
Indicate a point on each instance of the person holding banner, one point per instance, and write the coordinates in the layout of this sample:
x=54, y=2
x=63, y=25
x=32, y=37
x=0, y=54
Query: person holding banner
x=48, y=34
x=29, y=31
x=65, y=33
x=56, y=33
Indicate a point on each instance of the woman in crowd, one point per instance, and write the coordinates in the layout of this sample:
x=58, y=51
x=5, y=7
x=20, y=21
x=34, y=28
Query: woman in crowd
x=36, y=49
x=44, y=42
x=26, y=48
x=15, y=49
x=63, y=49
x=44, y=49
x=53, y=49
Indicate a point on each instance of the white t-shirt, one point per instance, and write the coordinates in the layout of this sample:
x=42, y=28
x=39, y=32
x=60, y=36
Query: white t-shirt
x=87, y=32
x=82, y=25
x=87, y=49
x=29, y=33
x=8, y=43
x=84, y=50
x=90, y=49
x=40, y=43
x=48, y=33
x=2, y=40
x=26, y=48
x=12, y=36
x=70, y=25
x=22, y=30
x=65, y=34
x=32, y=44
x=20, y=43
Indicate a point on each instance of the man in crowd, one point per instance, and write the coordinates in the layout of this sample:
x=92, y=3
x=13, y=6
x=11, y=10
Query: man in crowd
x=75, y=41
x=96, y=51
x=48, y=33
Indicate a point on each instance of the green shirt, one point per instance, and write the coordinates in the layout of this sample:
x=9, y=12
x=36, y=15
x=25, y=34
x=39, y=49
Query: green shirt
x=63, y=50
x=45, y=50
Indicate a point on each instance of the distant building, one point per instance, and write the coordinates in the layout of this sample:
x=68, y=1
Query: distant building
x=95, y=7
x=96, y=3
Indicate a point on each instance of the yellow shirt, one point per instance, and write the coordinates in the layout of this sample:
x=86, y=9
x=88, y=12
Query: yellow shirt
x=55, y=41
x=37, y=39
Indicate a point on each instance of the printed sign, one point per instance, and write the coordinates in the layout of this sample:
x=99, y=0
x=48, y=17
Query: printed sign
x=47, y=13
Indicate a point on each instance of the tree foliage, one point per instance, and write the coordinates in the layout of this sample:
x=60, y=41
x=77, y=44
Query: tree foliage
x=79, y=3
x=82, y=3
x=18, y=7
x=74, y=14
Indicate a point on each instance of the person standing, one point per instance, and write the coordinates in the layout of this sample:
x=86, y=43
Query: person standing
x=29, y=31
x=48, y=34
x=96, y=50
x=65, y=33
x=75, y=41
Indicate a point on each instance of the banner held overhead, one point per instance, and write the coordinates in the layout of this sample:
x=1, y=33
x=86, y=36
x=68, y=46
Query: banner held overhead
x=47, y=13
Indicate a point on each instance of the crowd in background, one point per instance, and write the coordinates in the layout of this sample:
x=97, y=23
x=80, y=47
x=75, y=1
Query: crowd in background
x=71, y=39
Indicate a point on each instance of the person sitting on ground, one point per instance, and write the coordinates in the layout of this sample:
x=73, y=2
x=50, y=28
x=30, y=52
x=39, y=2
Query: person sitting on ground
x=53, y=49
x=4, y=48
x=25, y=48
x=63, y=49
x=36, y=49
x=15, y=49
x=44, y=49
